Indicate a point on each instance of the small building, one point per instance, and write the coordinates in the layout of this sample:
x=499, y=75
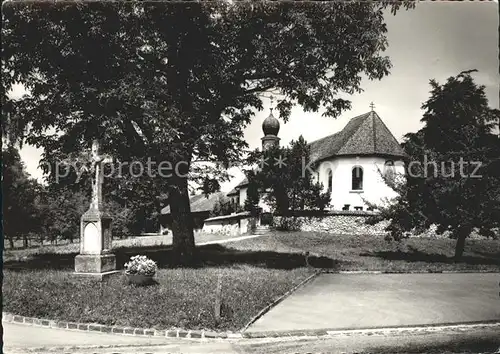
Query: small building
x=350, y=164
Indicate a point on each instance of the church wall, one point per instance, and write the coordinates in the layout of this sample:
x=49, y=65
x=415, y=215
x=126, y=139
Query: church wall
x=374, y=188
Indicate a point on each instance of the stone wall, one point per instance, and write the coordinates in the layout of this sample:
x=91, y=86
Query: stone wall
x=353, y=223
x=229, y=225
x=340, y=223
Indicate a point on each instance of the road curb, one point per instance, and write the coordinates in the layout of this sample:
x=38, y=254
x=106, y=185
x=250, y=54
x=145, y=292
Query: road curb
x=207, y=334
x=120, y=330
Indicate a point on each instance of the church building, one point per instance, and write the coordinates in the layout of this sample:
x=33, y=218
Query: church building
x=350, y=163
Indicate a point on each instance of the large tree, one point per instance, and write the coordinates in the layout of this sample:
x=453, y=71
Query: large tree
x=179, y=82
x=453, y=178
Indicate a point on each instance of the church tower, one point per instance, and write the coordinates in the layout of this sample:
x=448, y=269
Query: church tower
x=270, y=127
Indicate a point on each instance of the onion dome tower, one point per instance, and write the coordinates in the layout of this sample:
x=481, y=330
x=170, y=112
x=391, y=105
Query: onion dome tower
x=270, y=127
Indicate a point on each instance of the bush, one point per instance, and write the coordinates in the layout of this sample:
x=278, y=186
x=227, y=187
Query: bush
x=287, y=223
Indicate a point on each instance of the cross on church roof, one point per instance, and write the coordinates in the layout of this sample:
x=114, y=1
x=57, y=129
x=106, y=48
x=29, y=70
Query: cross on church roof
x=372, y=106
x=272, y=101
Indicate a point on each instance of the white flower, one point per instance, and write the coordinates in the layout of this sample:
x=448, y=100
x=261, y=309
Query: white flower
x=141, y=264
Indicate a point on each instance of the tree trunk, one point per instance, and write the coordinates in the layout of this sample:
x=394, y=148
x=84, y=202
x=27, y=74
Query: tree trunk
x=25, y=241
x=182, y=223
x=11, y=242
x=461, y=234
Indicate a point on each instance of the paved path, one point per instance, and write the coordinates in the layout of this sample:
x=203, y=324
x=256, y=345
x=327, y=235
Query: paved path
x=227, y=240
x=353, y=301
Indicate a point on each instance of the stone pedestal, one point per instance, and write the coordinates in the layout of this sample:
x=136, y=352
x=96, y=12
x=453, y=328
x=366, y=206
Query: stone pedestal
x=95, y=263
x=95, y=259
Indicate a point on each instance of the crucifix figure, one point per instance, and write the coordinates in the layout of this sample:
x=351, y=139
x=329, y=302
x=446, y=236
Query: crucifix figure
x=96, y=259
x=372, y=106
x=97, y=181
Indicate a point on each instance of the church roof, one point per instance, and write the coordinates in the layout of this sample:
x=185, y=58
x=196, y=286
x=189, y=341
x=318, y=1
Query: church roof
x=271, y=126
x=366, y=134
x=243, y=183
x=363, y=135
x=199, y=203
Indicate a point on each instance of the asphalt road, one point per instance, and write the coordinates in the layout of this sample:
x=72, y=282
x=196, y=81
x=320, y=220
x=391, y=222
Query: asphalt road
x=26, y=336
x=355, y=301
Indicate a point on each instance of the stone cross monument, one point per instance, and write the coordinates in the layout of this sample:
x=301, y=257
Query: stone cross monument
x=95, y=258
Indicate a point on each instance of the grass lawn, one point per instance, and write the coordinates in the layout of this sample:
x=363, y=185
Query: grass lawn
x=365, y=252
x=183, y=297
x=254, y=271
x=286, y=250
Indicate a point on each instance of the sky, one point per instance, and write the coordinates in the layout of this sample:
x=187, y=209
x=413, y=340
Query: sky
x=435, y=40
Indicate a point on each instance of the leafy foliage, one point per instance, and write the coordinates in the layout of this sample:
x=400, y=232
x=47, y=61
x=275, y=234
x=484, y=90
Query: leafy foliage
x=285, y=175
x=224, y=206
x=453, y=178
x=178, y=82
x=287, y=223
x=52, y=212
x=20, y=195
x=253, y=196
x=61, y=212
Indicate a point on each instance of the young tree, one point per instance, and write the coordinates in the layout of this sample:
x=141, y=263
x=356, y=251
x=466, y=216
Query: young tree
x=284, y=174
x=179, y=82
x=253, y=196
x=452, y=178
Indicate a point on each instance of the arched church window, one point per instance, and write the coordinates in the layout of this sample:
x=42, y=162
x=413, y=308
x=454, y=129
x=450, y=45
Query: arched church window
x=389, y=171
x=357, y=178
x=330, y=181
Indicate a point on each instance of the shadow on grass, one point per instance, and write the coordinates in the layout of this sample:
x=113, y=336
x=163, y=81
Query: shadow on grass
x=207, y=256
x=495, y=255
x=414, y=255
